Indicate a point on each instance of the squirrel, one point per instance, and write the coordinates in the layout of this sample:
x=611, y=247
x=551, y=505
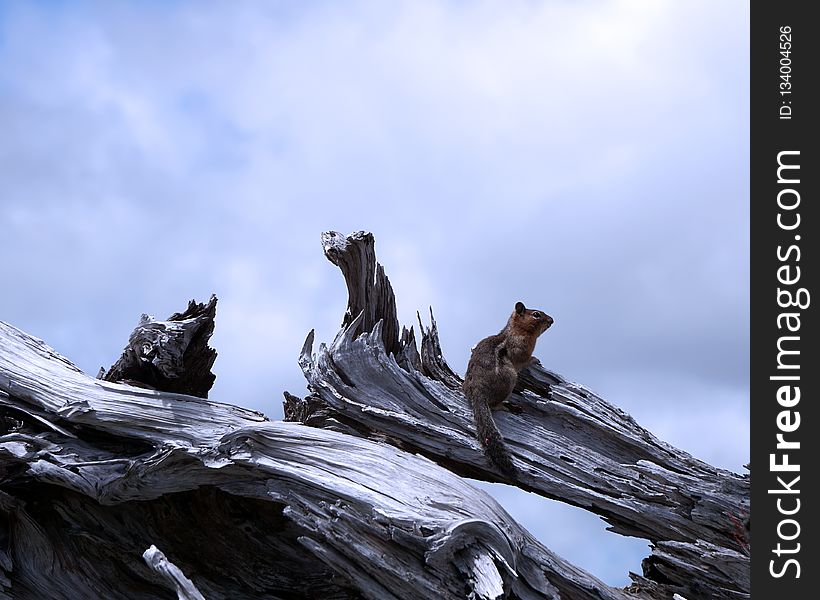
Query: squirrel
x=493, y=371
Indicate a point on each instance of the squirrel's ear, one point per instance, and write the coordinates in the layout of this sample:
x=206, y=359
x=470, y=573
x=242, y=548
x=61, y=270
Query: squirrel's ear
x=519, y=307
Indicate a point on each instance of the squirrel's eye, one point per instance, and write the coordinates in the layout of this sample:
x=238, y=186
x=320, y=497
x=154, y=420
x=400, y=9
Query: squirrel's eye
x=536, y=314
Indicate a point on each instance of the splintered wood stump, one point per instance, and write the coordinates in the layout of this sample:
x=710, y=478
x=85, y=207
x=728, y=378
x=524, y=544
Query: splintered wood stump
x=136, y=486
x=171, y=355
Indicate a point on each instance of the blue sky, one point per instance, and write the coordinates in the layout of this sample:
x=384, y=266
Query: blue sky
x=588, y=158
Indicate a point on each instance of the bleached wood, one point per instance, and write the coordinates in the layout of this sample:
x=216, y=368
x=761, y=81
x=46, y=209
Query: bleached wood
x=93, y=472
x=184, y=587
x=249, y=508
x=568, y=443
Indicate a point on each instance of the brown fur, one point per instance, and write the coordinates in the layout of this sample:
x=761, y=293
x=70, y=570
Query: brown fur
x=493, y=371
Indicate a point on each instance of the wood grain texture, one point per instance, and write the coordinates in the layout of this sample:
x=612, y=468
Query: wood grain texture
x=185, y=588
x=171, y=355
x=568, y=444
x=246, y=508
x=362, y=497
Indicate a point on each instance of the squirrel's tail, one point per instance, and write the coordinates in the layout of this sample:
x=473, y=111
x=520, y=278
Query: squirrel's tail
x=491, y=439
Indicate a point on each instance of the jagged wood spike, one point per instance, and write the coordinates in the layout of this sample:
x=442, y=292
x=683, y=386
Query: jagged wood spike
x=369, y=290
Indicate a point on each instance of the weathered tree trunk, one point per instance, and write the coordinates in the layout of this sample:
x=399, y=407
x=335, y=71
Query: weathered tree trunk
x=567, y=443
x=101, y=481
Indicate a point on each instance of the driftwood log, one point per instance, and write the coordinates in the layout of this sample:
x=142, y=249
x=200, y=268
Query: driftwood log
x=124, y=487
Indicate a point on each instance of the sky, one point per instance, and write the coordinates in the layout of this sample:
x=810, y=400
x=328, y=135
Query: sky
x=588, y=158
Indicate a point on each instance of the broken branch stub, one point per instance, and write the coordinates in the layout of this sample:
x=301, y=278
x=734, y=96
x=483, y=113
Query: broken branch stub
x=369, y=290
x=171, y=355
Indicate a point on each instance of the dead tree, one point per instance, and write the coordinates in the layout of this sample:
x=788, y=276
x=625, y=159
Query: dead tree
x=126, y=487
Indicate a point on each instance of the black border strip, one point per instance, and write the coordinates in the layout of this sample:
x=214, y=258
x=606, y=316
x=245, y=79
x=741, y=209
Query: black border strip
x=784, y=67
